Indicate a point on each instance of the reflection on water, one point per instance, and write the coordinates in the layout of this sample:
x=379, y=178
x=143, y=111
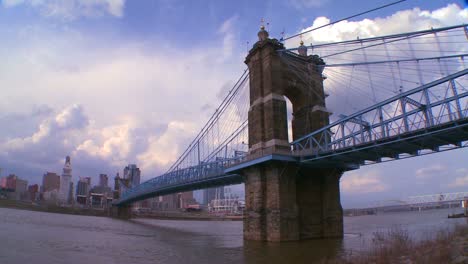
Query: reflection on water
x=53, y=238
x=291, y=252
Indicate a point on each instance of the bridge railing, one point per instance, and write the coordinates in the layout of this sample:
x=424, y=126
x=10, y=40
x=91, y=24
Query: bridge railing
x=203, y=171
x=439, y=102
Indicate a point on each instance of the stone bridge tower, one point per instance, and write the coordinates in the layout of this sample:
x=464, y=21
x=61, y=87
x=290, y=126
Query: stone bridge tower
x=286, y=200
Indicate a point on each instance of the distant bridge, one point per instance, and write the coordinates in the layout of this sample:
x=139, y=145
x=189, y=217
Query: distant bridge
x=425, y=200
x=437, y=198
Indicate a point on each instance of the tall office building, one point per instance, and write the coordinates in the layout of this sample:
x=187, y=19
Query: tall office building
x=33, y=191
x=117, y=182
x=65, y=181
x=212, y=194
x=83, y=186
x=132, y=174
x=50, y=181
x=82, y=190
x=103, y=180
x=21, y=189
x=9, y=182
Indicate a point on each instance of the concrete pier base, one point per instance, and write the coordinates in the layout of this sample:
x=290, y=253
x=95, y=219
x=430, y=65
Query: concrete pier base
x=121, y=212
x=285, y=202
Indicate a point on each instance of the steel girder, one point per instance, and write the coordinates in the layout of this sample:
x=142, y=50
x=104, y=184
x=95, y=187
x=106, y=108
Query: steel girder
x=404, y=124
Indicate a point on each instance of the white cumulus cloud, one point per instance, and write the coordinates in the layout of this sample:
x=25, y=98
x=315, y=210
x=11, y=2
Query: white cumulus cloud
x=401, y=21
x=461, y=180
x=433, y=170
x=299, y=4
x=356, y=182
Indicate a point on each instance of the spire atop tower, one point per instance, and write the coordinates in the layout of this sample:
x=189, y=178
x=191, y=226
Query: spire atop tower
x=67, y=168
x=302, y=49
x=262, y=34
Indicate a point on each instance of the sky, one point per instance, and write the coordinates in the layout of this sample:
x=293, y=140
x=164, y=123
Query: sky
x=113, y=82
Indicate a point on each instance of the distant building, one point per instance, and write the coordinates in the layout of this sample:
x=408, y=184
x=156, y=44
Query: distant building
x=101, y=196
x=166, y=202
x=212, y=194
x=33, y=191
x=117, y=182
x=132, y=173
x=70, y=194
x=185, y=199
x=21, y=189
x=173, y=201
x=50, y=196
x=9, y=182
x=83, y=187
x=19, y=186
x=86, y=179
x=65, y=182
x=102, y=190
x=50, y=181
x=103, y=180
x=3, y=182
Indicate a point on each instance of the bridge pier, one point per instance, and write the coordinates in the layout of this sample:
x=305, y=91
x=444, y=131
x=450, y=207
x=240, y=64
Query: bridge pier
x=121, y=212
x=285, y=199
x=285, y=202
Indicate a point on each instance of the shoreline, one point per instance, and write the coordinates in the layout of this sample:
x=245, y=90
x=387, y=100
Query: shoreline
x=50, y=208
x=163, y=215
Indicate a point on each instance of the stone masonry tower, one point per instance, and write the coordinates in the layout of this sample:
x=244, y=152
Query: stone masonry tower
x=285, y=200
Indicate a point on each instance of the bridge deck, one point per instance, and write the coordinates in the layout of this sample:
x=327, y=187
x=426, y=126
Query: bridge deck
x=411, y=143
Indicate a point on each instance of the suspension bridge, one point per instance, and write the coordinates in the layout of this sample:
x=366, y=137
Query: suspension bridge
x=297, y=118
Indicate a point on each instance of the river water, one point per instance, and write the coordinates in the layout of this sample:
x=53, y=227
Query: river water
x=37, y=237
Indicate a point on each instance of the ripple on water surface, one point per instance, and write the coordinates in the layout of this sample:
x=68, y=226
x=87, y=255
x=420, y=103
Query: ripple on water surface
x=37, y=237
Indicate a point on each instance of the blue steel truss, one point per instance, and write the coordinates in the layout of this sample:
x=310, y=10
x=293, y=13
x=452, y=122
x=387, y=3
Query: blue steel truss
x=201, y=176
x=432, y=117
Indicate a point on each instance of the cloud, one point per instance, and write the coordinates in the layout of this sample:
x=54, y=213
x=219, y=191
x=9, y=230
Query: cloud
x=301, y=4
x=72, y=9
x=163, y=150
x=44, y=148
x=227, y=30
x=137, y=103
x=462, y=180
x=11, y=3
x=401, y=21
x=428, y=172
x=359, y=183
x=95, y=149
x=71, y=118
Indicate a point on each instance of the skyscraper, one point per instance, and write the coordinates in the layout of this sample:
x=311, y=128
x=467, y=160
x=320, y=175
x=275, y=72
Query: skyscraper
x=82, y=190
x=65, y=181
x=21, y=188
x=9, y=182
x=103, y=180
x=212, y=194
x=132, y=173
x=50, y=181
x=33, y=191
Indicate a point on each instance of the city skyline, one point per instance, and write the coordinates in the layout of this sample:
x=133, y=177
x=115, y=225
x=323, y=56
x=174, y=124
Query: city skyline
x=104, y=80
x=96, y=176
